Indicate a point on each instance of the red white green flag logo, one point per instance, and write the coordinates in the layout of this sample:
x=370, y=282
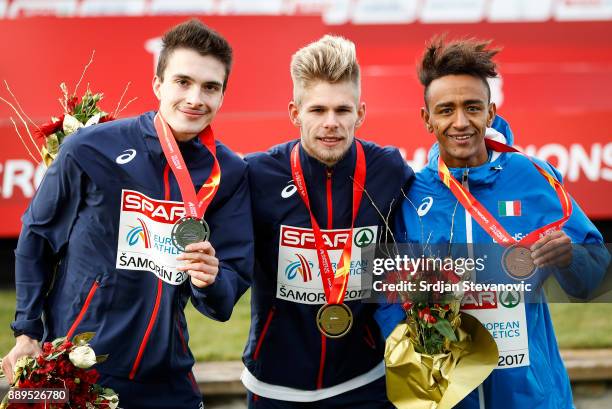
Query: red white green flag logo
x=509, y=207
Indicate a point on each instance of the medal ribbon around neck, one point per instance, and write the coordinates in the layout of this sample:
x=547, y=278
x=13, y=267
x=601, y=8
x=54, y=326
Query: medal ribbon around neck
x=486, y=220
x=195, y=204
x=334, y=284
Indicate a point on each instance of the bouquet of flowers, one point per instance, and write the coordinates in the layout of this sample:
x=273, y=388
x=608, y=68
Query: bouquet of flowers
x=64, y=364
x=438, y=355
x=76, y=113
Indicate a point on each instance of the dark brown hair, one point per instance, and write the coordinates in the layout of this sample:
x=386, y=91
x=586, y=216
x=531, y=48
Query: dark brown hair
x=465, y=56
x=193, y=35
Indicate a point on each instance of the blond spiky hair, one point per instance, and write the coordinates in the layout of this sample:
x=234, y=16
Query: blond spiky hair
x=331, y=59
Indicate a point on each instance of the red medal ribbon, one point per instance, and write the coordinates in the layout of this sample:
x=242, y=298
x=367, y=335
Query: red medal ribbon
x=486, y=220
x=195, y=204
x=334, y=284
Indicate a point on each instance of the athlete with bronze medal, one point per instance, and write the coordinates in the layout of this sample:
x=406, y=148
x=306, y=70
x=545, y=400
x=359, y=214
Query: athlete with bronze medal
x=191, y=228
x=334, y=319
x=516, y=260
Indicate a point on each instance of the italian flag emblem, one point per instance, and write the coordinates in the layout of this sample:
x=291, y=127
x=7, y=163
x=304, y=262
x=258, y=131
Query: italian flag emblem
x=509, y=208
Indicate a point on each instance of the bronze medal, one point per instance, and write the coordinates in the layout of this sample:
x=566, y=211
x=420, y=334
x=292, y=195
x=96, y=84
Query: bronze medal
x=518, y=263
x=189, y=230
x=334, y=320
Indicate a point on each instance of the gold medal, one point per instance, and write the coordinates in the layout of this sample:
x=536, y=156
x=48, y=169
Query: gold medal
x=518, y=263
x=334, y=320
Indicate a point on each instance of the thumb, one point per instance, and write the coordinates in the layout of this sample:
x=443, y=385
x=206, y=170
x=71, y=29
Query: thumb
x=7, y=368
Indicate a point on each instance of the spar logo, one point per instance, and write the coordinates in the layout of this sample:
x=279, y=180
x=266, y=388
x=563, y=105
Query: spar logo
x=160, y=211
x=510, y=299
x=305, y=239
x=302, y=267
x=364, y=237
x=139, y=233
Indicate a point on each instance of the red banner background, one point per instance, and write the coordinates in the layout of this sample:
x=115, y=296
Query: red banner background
x=557, y=82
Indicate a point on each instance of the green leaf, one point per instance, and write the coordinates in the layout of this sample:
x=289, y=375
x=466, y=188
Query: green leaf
x=54, y=355
x=444, y=328
x=83, y=339
x=101, y=358
x=57, y=342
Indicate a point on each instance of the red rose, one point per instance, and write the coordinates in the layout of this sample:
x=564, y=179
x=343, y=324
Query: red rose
x=71, y=103
x=49, y=128
x=70, y=385
x=65, y=346
x=90, y=376
x=65, y=367
x=107, y=118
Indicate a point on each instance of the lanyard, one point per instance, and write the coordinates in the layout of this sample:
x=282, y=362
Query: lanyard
x=195, y=204
x=486, y=220
x=334, y=284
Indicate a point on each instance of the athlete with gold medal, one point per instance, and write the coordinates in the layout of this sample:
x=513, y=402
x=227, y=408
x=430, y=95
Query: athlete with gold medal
x=317, y=202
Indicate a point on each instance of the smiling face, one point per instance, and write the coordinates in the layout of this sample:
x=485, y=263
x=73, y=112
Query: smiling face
x=190, y=93
x=328, y=115
x=458, y=113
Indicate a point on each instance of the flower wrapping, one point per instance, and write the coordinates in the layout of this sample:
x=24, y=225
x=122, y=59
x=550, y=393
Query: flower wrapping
x=418, y=380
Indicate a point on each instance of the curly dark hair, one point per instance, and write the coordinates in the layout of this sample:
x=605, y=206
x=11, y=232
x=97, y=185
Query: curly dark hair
x=464, y=56
x=194, y=35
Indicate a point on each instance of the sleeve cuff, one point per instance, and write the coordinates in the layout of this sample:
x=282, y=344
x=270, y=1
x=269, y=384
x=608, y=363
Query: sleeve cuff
x=32, y=328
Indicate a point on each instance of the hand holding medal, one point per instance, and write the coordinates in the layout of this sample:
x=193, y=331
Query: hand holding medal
x=553, y=249
x=190, y=234
x=201, y=263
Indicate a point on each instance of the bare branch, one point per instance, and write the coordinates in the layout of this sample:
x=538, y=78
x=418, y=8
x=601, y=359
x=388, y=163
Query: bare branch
x=23, y=141
x=84, y=71
x=25, y=124
x=19, y=105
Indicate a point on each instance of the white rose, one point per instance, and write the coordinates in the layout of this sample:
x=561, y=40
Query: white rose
x=93, y=120
x=71, y=124
x=82, y=357
x=113, y=401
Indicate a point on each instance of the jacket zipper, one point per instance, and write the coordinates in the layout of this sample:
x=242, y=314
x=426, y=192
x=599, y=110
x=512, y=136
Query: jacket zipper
x=469, y=239
x=84, y=308
x=263, y=333
x=468, y=216
x=330, y=215
x=160, y=288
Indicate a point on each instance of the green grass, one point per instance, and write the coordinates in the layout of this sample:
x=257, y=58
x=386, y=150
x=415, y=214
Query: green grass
x=219, y=341
x=582, y=325
x=576, y=326
x=7, y=314
x=209, y=340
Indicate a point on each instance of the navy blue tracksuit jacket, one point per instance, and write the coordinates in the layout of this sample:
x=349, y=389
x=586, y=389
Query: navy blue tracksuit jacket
x=94, y=248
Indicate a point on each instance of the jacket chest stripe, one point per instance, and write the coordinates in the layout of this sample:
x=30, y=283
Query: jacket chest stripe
x=160, y=288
